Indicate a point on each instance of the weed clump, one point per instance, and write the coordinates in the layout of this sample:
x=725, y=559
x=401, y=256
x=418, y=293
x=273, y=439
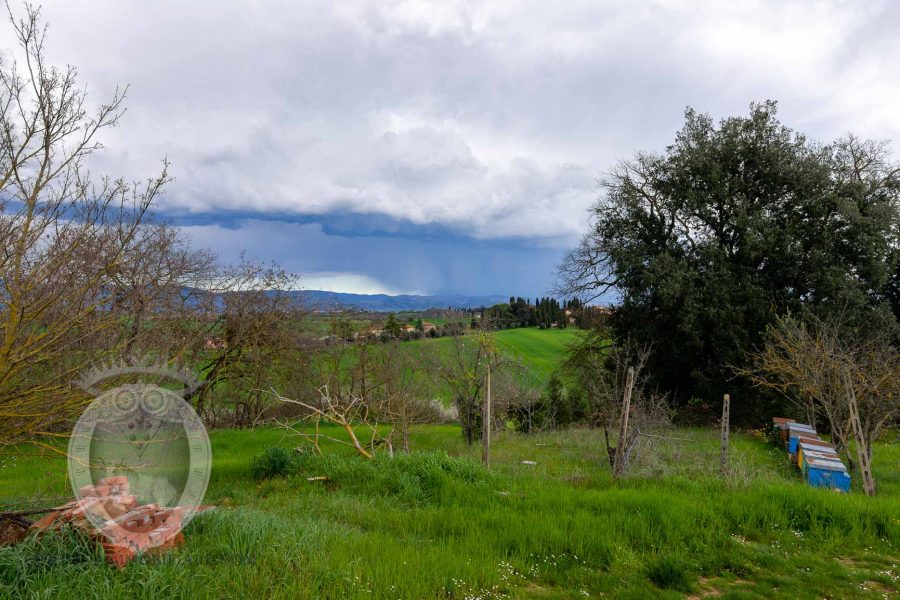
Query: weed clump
x=414, y=478
x=275, y=461
x=668, y=572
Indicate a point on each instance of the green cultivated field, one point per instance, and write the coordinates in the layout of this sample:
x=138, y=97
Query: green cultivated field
x=541, y=349
x=436, y=525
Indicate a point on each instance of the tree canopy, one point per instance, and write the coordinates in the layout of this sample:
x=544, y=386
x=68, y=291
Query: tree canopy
x=733, y=224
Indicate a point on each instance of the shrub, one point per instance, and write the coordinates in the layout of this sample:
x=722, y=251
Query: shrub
x=274, y=462
x=668, y=572
x=415, y=478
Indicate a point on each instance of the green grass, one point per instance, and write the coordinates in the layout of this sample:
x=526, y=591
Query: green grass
x=542, y=350
x=435, y=524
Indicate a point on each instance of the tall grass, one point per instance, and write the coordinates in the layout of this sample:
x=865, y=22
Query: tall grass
x=434, y=524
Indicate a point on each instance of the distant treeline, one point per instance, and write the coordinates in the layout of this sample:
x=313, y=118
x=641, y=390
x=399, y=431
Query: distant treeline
x=542, y=312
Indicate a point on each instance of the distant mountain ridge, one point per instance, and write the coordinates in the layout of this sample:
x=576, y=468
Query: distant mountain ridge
x=404, y=302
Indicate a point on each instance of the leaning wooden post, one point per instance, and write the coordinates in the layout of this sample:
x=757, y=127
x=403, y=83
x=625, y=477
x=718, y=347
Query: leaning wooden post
x=619, y=463
x=862, y=454
x=726, y=413
x=486, y=422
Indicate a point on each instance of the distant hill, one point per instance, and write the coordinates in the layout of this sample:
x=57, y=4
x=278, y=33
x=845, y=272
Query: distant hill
x=386, y=303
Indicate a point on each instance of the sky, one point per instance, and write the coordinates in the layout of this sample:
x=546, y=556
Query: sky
x=444, y=147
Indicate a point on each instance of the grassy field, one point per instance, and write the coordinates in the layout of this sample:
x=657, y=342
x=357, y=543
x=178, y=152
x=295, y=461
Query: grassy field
x=541, y=349
x=435, y=524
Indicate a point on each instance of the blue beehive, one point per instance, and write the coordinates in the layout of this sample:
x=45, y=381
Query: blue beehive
x=828, y=473
x=808, y=451
x=796, y=430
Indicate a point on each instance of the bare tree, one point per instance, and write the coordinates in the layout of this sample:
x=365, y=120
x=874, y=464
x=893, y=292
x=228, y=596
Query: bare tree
x=158, y=289
x=602, y=369
x=798, y=361
x=464, y=371
x=806, y=360
x=519, y=396
x=252, y=322
x=363, y=386
x=343, y=388
x=347, y=412
x=64, y=235
x=404, y=388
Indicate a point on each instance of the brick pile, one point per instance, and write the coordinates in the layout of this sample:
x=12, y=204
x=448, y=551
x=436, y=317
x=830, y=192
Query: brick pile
x=127, y=528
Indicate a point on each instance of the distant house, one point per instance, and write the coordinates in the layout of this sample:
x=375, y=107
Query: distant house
x=426, y=326
x=407, y=328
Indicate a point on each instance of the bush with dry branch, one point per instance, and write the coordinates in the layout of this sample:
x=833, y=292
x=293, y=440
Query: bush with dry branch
x=66, y=236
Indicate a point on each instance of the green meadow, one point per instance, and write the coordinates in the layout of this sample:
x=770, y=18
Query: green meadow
x=436, y=524
x=541, y=350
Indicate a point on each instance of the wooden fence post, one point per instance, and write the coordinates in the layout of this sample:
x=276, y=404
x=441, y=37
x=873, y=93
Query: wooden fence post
x=862, y=453
x=619, y=465
x=726, y=416
x=486, y=423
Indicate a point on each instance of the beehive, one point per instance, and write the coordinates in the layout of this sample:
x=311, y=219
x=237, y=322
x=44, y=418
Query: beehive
x=780, y=427
x=827, y=473
x=806, y=453
x=813, y=446
x=795, y=431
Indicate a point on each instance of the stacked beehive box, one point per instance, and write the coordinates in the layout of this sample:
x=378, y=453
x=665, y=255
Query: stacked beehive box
x=817, y=460
x=110, y=515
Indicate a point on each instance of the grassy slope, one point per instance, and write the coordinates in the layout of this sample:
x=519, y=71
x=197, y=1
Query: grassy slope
x=541, y=349
x=434, y=526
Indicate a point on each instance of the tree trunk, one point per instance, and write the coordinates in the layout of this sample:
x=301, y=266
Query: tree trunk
x=486, y=423
x=467, y=418
x=355, y=441
x=610, y=451
x=468, y=429
x=843, y=449
x=726, y=414
x=621, y=463
x=862, y=447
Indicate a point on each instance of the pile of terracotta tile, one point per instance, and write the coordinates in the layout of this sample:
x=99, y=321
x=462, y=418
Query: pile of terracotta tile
x=126, y=529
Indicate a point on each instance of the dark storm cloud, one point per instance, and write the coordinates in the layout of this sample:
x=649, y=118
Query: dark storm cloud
x=386, y=264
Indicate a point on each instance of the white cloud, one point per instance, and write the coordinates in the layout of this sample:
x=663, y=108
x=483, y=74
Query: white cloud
x=349, y=283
